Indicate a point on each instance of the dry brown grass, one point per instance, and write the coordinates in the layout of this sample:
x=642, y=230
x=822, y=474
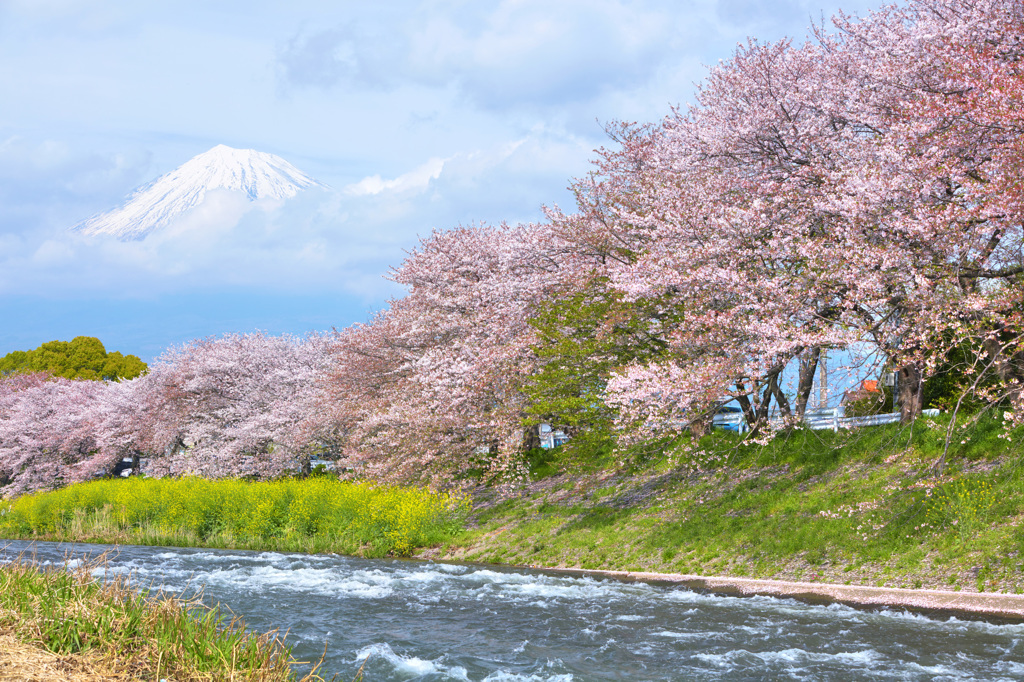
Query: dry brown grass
x=21, y=662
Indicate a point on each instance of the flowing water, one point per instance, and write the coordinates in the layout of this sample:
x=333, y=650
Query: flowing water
x=406, y=620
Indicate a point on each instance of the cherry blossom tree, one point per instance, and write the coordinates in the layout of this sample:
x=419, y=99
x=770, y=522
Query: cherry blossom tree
x=434, y=382
x=237, y=405
x=945, y=96
x=856, y=191
x=820, y=196
x=721, y=224
x=55, y=431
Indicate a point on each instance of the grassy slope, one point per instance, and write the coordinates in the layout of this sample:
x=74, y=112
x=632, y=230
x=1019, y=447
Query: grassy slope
x=864, y=507
x=889, y=518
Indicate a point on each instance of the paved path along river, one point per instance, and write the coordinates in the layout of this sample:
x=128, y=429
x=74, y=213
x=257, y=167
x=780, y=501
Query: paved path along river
x=408, y=620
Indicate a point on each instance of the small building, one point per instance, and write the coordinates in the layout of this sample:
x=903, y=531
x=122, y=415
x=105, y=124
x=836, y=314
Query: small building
x=868, y=389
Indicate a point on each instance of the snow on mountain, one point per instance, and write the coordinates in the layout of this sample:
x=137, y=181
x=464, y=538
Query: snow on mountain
x=255, y=174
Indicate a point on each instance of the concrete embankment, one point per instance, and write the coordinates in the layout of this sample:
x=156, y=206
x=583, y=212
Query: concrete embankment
x=936, y=603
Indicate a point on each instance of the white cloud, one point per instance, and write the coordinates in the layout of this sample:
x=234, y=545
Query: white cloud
x=416, y=180
x=53, y=253
x=47, y=166
x=508, y=54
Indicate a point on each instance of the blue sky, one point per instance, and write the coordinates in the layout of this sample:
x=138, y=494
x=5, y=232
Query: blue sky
x=418, y=115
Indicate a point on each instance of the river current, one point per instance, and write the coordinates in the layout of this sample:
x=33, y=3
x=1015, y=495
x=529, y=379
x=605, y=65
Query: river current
x=408, y=620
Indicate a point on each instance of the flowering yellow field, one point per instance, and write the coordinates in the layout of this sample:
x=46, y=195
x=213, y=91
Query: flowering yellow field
x=315, y=514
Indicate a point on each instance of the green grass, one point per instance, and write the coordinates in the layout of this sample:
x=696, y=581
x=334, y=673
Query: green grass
x=867, y=507
x=310, y=515
x=70, y=612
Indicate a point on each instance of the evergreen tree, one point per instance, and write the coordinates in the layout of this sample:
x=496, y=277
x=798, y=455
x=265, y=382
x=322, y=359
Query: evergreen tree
x=84, y=357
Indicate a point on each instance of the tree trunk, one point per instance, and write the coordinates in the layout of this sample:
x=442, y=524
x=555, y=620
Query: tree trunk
x=744, y=401
x=755, y=411
x=805, y=383
x=701, y=426
x=910, y=391
x=780, y=397
x=531, y=438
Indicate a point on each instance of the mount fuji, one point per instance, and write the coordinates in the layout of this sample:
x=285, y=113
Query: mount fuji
x=256, y=175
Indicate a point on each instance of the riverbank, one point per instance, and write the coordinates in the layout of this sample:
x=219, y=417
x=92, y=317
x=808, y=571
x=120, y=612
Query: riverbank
x=60, y=622
x=868, y=510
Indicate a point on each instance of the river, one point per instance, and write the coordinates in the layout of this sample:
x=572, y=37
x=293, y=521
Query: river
x=410, y=620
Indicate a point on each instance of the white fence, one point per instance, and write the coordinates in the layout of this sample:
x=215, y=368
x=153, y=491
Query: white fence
x=816, y=420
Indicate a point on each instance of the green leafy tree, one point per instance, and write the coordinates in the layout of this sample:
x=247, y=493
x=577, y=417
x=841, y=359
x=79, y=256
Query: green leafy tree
x=84, y=357
x=964, y=379
x=120, y=366
x=582, y=339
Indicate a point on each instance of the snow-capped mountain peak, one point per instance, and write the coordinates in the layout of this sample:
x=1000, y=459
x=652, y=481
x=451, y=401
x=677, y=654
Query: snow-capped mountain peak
x=258, y=175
